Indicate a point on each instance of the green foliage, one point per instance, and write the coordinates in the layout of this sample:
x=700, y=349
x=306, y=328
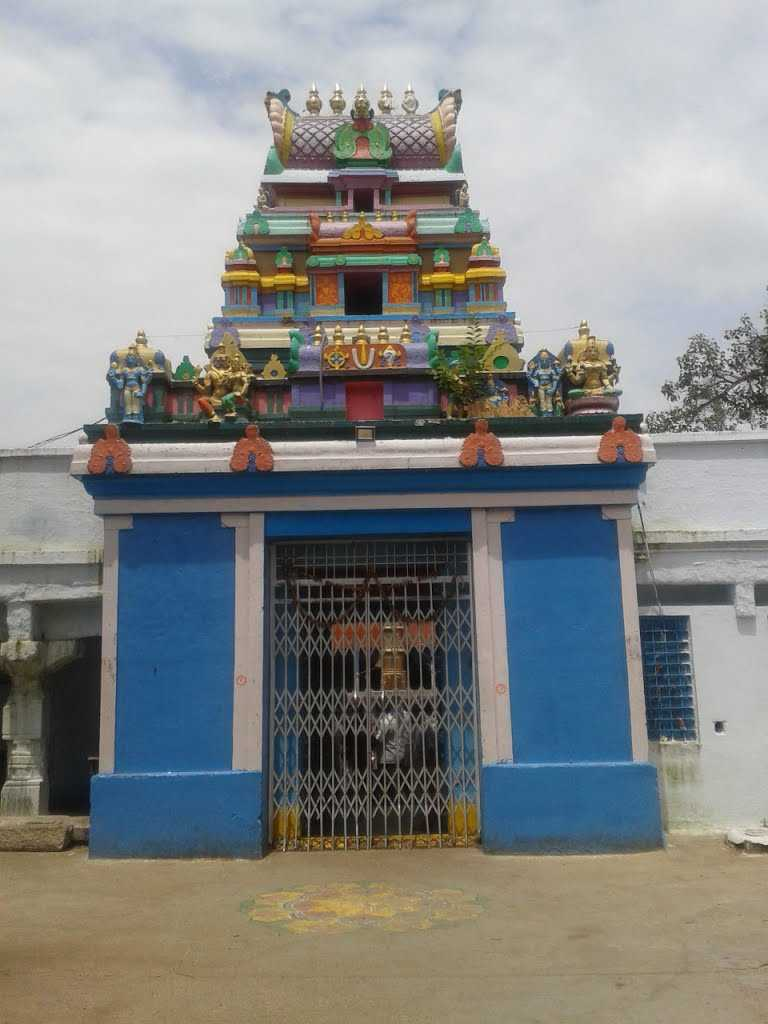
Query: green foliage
x=463, y=377
x=719, y=387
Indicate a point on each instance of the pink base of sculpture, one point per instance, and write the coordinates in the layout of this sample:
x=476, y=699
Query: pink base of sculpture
x=589, y=405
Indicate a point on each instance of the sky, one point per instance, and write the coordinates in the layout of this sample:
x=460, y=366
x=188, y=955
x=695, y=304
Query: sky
x=619, y=150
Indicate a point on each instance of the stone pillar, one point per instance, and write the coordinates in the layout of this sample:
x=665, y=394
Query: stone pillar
x=26, y=662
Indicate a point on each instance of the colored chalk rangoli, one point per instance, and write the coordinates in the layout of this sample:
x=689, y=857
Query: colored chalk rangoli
x=352, y=906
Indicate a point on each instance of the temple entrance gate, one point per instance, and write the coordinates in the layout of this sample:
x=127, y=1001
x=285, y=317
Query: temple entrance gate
x=373, y=714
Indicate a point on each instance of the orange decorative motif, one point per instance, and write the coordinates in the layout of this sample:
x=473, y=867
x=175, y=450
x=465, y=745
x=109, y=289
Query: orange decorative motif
x=252, y=453
x=481, y=442
x=110, y=454
x=620, y=444
x=400, y=287
x=348, y=636
x=326, y=290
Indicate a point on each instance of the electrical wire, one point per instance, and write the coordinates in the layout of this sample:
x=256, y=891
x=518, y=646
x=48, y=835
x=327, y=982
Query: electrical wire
x=651, y=573
x=67, y=433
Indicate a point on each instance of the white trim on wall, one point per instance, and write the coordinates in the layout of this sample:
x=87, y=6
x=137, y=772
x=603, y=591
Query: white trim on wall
x=491, y=635
x=397, y=453
x=112, y=526
x=622, y=515
x=358, y=502
x=248, y=668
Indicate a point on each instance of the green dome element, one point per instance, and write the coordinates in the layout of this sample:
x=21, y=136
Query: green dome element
x=240, y=254
x=186, y=371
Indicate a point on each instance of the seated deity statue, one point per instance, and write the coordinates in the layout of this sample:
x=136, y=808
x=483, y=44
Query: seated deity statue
x=222, y=388
x=592, y=371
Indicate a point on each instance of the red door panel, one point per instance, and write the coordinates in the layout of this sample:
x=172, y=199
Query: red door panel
x=365, y=401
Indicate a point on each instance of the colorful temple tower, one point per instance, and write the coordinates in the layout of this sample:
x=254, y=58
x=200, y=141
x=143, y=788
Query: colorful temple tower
x=368, y=571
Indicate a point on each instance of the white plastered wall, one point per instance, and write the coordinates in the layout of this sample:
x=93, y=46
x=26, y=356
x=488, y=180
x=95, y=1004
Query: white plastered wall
x=705, y=506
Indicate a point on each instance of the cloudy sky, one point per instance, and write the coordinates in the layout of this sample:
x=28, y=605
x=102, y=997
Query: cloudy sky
x=620, y=151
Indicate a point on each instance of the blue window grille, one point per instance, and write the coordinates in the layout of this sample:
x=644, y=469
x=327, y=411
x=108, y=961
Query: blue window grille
x=670, y=704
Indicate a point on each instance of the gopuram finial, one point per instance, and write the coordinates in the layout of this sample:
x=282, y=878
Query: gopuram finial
x=314, y=104
x=361, y=107
x=385, y=100
x=410, y=103
x=337, y=101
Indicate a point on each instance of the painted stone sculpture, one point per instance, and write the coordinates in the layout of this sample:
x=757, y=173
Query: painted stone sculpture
x=544, y=372
x=592, y=372
x=129, y=379
x=225, y=382
x=481, y=448
x=110, y=454
x=620, y=444
x=131, y=370
x=252, y=453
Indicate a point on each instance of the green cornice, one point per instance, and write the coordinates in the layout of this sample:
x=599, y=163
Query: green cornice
x=355, y=260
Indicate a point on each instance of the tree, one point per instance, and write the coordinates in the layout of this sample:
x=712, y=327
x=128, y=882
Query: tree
x=719, y=387
x=464, y=377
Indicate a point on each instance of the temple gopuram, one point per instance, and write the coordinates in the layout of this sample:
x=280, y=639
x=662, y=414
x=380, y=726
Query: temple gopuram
x=368, y=563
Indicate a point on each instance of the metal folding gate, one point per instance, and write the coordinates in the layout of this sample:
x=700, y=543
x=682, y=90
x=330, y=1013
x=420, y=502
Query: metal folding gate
x=373, y=722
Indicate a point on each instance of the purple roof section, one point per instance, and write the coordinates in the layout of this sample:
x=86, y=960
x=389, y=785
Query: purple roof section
x=417, y=140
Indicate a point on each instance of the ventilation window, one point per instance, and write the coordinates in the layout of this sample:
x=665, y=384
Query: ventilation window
x=670, y=706
x=685, y=594
x=362, y=294
x=363, y=200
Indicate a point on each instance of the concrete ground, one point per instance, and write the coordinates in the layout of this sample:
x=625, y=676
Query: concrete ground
x=443, y=935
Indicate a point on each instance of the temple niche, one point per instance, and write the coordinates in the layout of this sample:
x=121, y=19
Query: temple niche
x=358, y=289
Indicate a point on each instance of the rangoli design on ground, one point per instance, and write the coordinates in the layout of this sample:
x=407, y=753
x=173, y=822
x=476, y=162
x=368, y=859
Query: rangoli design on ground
x=352, y=906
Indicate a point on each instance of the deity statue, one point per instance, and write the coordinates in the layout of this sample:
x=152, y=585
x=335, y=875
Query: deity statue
x=224, y=383
x=462, y=196
x=131, y=369
x=592, y=372
x=544, y=372
x=129, y=378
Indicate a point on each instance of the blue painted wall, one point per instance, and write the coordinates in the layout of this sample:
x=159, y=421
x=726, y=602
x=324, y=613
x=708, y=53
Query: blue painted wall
x=389, y=481
x=175, y=645
x=186, y=814
x=570, y=808
x=387, y=523
x=565, y=637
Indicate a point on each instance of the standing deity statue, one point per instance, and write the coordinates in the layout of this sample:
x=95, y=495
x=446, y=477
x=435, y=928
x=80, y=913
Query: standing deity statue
x=129, y=378
x=462, y=196
x=544, y=372
x=131, y=370
x=223, y=386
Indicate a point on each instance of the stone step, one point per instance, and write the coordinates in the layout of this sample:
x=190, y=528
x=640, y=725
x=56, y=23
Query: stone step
x=48, y=833
x=750, y=840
